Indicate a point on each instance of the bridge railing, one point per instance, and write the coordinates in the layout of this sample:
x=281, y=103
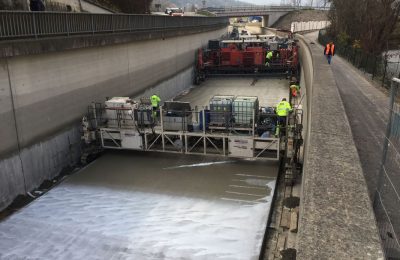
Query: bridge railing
x=17, y=25
x=250, y=8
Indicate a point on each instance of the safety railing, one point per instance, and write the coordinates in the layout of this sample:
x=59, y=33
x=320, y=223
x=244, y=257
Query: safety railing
x=189, y=131
x=19, y=25
x=272, y=8
x=387, y=193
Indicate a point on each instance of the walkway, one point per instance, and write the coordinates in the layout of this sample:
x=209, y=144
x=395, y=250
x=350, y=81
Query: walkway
x=337, y=220
x=367, y=109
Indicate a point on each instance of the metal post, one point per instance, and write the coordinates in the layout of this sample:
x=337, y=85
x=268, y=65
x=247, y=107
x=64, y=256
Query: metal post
x=384, y=69
x=34, y=25
x=254, y=116
x=66, y=24
x=223, y=146
x=186, y=144
x=395, y=83
x=204, y=121
x=112, y=22
x=94, y=115
x=374, y=68
x=145, y=141
x=162, y=129
x=92, y=20
x=180, y=136
x=204, y=131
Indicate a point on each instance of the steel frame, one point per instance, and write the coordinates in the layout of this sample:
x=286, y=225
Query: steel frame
x=200, y=143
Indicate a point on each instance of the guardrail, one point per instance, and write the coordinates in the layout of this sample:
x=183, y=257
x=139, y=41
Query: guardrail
x=17, y=25
x=272, y=8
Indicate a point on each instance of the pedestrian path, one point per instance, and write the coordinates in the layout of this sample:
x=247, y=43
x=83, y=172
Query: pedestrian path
x=337, y=220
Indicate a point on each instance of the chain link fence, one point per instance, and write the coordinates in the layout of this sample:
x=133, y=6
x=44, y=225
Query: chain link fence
x=387, y=193
x=381, y=68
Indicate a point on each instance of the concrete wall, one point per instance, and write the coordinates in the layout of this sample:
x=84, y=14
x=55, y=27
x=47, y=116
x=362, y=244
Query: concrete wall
x=51, y=92
x=309, y=26
x=75, y=6
x=336, y=218
x=91, y=8
x=274, y=17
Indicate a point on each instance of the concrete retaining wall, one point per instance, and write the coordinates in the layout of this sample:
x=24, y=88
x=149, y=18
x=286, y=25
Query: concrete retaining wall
x=336, y=218
x=309, y=26
x=45, y=95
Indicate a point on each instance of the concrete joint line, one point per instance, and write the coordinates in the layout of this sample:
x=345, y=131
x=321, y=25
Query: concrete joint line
x=15, y=123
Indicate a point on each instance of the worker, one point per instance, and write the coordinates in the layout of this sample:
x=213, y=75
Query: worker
x=282, y=110
x=268, y=58
x=155, y=103
x=295, y=89
x=329, y=51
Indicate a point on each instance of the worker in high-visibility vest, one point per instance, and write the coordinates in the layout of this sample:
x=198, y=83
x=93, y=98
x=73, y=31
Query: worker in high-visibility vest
x=294, y=89
x=329, y=51
x=268, y=58
x=155, y=103
x=282, y=110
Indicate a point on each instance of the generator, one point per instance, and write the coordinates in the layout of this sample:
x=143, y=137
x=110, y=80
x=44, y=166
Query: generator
x=177, y=116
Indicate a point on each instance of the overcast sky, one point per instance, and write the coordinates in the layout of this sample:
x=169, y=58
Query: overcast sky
x=263, y=2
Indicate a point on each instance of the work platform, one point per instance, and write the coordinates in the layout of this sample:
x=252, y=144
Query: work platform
x=123, y=130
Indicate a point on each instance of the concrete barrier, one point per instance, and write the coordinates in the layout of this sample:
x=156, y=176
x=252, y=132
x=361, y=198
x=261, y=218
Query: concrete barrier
x=44, y=96
x=309, y=26
x=336, y=218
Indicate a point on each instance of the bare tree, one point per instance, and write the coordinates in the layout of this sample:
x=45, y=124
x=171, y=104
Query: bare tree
x=369, y=21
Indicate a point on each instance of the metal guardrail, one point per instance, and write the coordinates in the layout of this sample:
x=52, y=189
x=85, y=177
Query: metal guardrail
x=260, y=8
x=19, y=25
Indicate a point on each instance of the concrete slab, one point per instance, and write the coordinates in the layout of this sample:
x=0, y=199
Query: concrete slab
x=269, y=91
x=132, y=205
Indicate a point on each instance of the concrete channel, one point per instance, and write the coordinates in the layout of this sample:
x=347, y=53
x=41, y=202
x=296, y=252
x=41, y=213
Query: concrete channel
x=137, y=205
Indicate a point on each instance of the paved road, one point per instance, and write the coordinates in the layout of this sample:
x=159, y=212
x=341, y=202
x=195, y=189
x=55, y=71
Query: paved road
x=367, y=109
x=269, y=91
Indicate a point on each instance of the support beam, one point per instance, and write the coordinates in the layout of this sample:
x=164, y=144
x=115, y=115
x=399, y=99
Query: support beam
x=265, y=20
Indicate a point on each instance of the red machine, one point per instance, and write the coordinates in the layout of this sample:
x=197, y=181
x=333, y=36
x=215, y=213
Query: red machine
x=238, y=57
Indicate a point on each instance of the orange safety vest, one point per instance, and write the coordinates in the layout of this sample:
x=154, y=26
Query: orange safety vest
x=328, y=49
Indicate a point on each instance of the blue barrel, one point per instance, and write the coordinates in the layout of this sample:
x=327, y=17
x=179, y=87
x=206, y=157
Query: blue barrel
x=207, y=114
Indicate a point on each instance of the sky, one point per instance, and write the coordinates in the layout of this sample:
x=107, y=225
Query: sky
x=263, y=2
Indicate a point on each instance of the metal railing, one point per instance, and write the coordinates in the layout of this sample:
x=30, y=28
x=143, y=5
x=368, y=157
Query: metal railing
x=387, y=193
x=269, y=8
x=19, y=25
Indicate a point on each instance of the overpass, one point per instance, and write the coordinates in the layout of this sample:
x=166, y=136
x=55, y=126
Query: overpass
x=270, y=13
x=53, y=65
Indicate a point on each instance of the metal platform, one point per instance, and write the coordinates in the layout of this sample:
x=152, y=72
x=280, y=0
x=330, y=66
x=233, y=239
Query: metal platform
x=203, y=143
x=239, y=141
